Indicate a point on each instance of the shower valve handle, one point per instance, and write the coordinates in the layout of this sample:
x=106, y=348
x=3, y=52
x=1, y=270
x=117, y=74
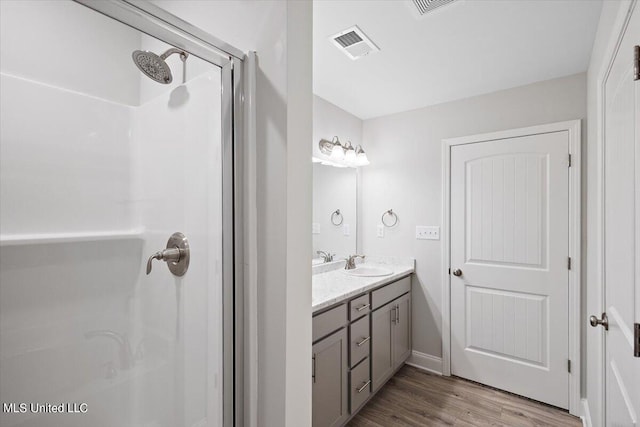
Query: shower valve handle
x=164, y=255
x=176, y=255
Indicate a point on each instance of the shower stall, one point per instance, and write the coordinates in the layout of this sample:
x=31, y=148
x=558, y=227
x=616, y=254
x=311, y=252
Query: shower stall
x=120, y=128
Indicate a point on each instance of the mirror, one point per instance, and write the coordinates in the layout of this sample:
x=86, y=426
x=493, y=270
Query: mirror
x=334, y=189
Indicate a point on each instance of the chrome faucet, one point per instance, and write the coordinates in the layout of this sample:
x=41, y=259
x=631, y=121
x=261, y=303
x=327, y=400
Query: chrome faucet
x=326, y=256
x=351, y=261
x=124, y=348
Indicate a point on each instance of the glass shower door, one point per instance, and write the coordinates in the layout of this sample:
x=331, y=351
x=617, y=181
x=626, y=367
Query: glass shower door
x=99, y=166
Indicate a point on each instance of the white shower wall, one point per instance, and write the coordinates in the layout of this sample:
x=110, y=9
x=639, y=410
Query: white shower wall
x=66, y=45
x=65, y=160
x=70, y=255
x=178, y=187
x=98, y=167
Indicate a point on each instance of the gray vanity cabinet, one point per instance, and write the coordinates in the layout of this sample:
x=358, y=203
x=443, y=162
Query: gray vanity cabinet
x=330, y=399
x=358, y=345
x=381, y=349
x=390, y=335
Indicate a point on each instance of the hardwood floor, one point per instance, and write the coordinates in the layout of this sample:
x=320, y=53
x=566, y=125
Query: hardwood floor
x=417, y=398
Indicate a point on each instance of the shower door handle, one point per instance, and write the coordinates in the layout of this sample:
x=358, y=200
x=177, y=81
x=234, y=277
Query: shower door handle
x=176, y=255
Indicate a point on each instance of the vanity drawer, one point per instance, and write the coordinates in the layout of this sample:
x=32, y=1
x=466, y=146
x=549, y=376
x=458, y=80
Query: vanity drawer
x=360, y=385
x=359, y=307
x=329, y=321
x=360, y=338
x=390, y=292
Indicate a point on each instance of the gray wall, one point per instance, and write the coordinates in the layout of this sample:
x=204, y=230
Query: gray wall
x=406, y=175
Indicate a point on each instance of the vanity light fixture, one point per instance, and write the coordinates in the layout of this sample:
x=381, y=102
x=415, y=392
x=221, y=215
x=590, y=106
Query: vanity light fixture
x=340, y=155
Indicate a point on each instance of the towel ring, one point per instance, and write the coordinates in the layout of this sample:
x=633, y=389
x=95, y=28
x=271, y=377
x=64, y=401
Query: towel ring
x=391, y=213
x=337, y=218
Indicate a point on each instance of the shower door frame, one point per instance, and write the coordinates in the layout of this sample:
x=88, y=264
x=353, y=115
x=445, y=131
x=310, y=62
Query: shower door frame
x=164, y=26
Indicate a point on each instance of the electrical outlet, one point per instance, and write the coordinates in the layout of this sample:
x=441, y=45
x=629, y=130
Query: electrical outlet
x=315, y=228
x=427, y=232
x=380, y=231
x=346, y=230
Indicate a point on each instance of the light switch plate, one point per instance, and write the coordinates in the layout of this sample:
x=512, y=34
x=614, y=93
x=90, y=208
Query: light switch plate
x=380, y=231
x=346, y=230
x=424, y=232
x=315, y=228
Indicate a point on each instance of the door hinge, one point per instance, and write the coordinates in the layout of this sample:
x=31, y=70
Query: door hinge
x=569, y=160
x=569, y=365
x=569, y=263
x=636, y=63
x=636, y=339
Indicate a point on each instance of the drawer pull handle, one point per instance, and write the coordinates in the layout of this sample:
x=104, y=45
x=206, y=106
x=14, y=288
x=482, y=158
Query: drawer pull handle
x=361, y=389
x=313, y=369
x=361, y=343
x=363, y=307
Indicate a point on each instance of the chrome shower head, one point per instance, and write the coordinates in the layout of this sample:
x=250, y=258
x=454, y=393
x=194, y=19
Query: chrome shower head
x=154, y=66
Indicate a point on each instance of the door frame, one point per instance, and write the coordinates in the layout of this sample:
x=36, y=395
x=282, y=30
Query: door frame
x=619, y=28
x=150, y=19
x=573, y=128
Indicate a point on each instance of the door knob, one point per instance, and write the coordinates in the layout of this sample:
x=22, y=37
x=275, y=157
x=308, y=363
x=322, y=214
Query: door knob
x=176, y=255
x=604, y=321
x=457, y=272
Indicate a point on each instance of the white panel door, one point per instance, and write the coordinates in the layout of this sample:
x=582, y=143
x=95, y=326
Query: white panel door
x=509, y=239
x=622, y=233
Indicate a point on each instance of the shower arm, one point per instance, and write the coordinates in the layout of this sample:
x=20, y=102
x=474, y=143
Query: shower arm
x=183, y=55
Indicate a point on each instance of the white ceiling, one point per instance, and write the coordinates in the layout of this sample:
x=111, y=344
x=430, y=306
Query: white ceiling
x=467, y=48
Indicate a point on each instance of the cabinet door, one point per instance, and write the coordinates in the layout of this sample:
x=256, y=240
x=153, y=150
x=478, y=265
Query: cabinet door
x=381, y=352
x=402, y=330
x=330, y=398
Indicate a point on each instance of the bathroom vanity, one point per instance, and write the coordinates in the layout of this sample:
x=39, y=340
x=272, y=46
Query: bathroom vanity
x=361, y=336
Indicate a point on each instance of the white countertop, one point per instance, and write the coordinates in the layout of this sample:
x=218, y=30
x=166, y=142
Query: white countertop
x=331, y=287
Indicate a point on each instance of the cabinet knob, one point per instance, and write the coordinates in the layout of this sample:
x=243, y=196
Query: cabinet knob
x=457, y=272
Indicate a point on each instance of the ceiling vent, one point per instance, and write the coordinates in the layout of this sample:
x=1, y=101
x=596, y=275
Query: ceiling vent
x=425, y=6
x=354, y=43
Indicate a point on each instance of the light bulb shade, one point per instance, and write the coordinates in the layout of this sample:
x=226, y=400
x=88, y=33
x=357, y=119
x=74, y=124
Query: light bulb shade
x=337, y=152
x=361, y=157
x=349, y=154
x=326, y=146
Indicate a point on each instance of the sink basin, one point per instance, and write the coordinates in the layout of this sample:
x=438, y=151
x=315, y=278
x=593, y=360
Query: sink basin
x=317, y=261
x=368, y=271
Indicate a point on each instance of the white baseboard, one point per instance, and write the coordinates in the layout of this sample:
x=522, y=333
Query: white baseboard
x=586, y=414
x=426, y=362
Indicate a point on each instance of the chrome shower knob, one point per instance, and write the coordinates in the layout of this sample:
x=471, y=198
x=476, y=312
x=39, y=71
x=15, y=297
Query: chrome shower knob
x=176, y=255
